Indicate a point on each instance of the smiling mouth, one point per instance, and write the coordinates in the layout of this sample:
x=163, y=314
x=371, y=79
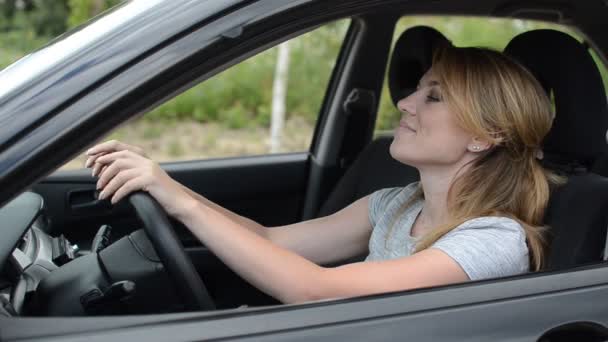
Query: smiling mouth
x=406, y=126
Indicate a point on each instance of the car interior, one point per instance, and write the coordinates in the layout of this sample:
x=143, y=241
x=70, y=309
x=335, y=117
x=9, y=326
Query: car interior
x=281, y=189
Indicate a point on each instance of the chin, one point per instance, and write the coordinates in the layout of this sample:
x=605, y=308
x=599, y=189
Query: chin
x=401, y=154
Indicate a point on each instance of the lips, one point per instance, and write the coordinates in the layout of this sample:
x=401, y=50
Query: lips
x=404, y=124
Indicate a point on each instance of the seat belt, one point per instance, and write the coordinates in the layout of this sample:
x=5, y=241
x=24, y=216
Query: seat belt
x=606, y=247
x=358, y=107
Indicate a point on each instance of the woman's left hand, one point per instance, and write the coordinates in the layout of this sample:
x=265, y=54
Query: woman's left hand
x=125, y=172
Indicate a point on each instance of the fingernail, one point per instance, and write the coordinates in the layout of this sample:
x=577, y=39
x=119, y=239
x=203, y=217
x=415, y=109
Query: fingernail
x=101, y=195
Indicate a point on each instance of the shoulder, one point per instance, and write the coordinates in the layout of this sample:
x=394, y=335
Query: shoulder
x=487, y=247
x=381, y=200
x=498, y=224
x=389, y=194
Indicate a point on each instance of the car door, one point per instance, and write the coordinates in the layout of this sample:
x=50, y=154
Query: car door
x=272, y=189
x=550, y=306
x=520, y=308
x=269, y=188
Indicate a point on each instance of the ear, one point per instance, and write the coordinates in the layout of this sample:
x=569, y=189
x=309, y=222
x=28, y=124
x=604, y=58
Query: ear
x=478, y=144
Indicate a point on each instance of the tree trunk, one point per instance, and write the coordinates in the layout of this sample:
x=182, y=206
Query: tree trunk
x=98, y=7
x=279, y=91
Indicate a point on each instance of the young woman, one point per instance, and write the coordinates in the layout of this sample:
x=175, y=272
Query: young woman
x=473, y=129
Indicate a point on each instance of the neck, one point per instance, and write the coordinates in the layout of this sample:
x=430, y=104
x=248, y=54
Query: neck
x=436, y=182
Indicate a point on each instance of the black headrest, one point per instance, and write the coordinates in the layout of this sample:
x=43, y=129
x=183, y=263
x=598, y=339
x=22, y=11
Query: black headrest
x=412, y=57
x=565, y=68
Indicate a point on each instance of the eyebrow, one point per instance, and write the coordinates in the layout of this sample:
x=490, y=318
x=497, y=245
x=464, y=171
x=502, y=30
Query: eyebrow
x=430, y=84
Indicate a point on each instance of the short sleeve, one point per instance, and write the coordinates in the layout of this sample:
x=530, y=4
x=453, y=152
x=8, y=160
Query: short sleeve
x=487, y=247
x=378, y=202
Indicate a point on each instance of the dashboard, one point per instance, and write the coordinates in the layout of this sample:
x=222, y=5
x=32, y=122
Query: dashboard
x=26, y=250
x=44, y=275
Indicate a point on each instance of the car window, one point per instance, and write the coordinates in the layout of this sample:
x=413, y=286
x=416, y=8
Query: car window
x=466, y=31
x=231, y=114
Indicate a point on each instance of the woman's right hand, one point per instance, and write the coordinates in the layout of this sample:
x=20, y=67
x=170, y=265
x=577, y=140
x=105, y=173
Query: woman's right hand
x=105, y=148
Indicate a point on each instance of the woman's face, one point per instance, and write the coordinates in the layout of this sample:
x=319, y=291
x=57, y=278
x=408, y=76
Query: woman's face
x=428, y=134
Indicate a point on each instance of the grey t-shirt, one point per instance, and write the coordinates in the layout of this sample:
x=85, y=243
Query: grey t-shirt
x=485, y=247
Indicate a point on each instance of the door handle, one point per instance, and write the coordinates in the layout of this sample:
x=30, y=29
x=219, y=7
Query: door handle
x=87, y=202
x=576, y=331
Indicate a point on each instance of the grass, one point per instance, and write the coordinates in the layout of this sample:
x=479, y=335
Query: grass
x=191, y=140
x=16, y=44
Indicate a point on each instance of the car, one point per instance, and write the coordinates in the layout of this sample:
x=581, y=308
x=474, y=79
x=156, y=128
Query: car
x=158, y=283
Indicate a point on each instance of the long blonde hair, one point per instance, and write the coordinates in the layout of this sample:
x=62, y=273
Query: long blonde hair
x=498, y=100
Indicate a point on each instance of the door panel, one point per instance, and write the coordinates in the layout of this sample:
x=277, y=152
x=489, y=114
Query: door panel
x=268, y=189
x=520, y=308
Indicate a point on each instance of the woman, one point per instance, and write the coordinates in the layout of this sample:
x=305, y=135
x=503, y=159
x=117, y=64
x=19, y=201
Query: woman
x=473, y=130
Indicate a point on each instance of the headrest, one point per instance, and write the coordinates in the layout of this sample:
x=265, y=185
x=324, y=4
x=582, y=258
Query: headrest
x=566, y=70
x=412, y=57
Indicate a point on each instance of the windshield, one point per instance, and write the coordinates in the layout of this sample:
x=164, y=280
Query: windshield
x=70, y=43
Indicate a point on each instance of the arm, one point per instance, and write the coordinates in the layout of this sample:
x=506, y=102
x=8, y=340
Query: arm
x=291, y=278
x=245, y=222
x=349, y=227
x=286, y=275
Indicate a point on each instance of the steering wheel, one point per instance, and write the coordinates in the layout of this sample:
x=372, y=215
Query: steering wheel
x=189, y=285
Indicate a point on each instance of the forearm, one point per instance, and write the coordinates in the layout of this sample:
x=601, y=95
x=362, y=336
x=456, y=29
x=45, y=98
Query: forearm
x=274, y=270
x=243, y=221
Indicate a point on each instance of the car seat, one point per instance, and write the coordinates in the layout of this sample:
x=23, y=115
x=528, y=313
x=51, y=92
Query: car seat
x=578, y=211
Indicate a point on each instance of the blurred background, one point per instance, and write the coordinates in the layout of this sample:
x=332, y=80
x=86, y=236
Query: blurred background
x=231, y=113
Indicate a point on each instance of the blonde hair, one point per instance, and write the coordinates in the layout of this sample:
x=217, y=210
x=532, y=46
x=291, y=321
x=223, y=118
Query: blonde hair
x=498, y=100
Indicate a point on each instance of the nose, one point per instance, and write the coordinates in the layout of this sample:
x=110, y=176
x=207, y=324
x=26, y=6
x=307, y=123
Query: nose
x=407, y=104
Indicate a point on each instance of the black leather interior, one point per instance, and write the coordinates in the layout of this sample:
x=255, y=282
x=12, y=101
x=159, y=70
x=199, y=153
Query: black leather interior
x=411, y=58
x=578, y=211
x=565, y=68
x=374, y=169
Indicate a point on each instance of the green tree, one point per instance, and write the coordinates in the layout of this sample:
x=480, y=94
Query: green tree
x=43, y=17
x=49, y=18
x=83, y=10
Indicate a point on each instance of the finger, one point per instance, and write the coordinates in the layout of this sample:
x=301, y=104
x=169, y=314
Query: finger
x=91, y=160
x=103, y=168
x=112, y=170
x=97, y=169
x=128, y=187
x=111, y=157
x=107, y=147
x=114, y=146
x=117, y=182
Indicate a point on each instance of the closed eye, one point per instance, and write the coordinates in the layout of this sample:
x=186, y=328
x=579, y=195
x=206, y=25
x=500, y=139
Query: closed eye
x=431, y=98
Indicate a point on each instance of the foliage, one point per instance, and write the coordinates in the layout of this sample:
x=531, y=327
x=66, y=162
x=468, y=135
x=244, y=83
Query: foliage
x=43, y=17
x=14, y=44
x=83, y=10
x=241, y=96
x=48, y=17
